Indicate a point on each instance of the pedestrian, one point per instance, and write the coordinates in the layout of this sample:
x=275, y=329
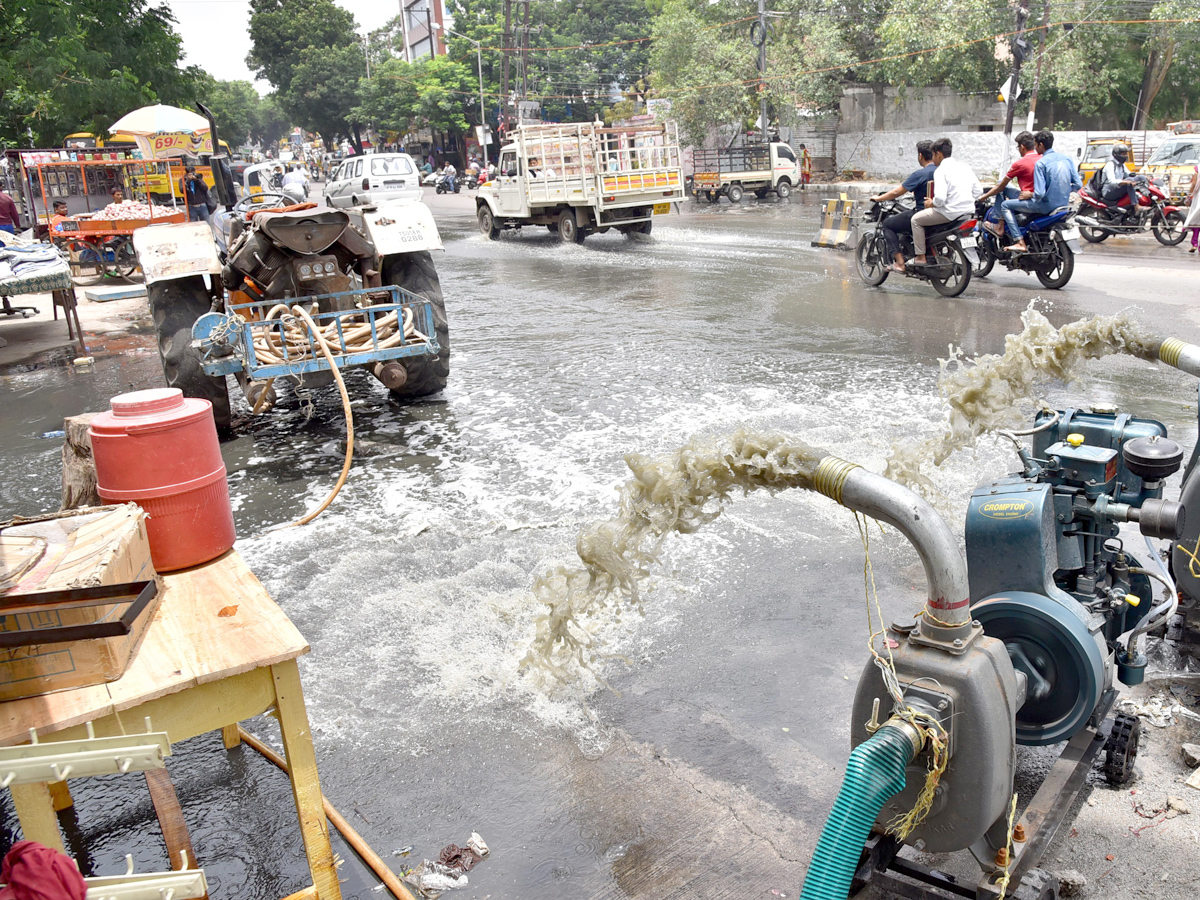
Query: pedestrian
x=195, y=191
x=805, y=168
x=955, y=189
x=9, y=219
x=1193, y=216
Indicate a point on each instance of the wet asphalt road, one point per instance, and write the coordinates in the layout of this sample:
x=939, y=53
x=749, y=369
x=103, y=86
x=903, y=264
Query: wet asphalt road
x=709, y=767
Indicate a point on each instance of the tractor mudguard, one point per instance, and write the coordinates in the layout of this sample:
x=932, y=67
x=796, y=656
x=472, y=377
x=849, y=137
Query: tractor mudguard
x=168, y=252
x=398, y=226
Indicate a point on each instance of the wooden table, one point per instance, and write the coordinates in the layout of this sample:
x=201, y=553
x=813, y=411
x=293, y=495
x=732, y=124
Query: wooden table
x=196, y=671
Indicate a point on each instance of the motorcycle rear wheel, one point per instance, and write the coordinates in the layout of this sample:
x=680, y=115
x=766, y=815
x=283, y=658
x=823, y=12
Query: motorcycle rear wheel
x=1094, y=235
x=959, y=276
x=1060, y=268
x=870, y=259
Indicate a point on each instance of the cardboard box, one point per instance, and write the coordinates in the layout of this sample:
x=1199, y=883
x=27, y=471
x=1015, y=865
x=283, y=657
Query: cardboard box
x=75, y=549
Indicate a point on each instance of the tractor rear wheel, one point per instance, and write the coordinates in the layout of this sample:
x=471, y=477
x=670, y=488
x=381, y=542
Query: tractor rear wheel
x=416, y=274
x=175, y=306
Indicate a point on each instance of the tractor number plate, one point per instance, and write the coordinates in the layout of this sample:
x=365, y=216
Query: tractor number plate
x=661, y=209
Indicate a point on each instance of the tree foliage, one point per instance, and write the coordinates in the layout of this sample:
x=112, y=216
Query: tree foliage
x=68, y=65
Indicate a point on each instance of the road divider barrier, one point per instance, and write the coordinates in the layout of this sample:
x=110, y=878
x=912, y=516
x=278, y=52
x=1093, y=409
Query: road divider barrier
x=838, y=225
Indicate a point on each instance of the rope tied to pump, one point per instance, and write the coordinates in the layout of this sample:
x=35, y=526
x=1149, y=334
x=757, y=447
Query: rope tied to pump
x=931, y=730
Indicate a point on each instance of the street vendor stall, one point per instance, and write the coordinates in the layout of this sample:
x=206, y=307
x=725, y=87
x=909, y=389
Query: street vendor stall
x=98, y=241
x=36, y=268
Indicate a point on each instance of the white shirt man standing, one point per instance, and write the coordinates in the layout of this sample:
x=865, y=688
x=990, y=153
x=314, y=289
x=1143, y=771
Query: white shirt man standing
x=955, y=189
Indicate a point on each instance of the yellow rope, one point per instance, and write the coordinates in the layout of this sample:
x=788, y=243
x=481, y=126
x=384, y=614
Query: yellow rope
x=928, y=613
x=1002, y=882
x=1194, y=563
x=831, y=476
x=933, y=734
x=1169, y=351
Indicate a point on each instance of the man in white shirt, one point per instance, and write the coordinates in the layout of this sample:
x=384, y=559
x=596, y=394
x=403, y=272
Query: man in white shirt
x=297, y=176
x=955, y=189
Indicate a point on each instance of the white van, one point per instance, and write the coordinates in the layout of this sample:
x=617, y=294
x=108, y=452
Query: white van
x=374, y=179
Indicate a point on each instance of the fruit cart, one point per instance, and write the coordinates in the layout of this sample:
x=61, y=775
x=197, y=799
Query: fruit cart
x=98, y=244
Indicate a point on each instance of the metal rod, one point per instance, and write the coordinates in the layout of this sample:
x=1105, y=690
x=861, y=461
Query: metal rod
x=361, y=847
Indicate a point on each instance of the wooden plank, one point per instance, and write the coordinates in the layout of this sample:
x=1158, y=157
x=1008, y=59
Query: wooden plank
x=60, y=795
x=50, y=712
x=186, y=644
x=231, y=736
x=216, y=646
x=185, y=714
x=35, y=809
x=170, y=819
x=302, y=771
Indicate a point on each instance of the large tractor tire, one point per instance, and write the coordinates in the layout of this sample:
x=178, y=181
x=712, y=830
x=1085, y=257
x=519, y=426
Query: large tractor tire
x=415, y=273
x=175, y=306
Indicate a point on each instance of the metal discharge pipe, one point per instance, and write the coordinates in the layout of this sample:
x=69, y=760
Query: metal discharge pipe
x=1181, y=355
x=881, y=498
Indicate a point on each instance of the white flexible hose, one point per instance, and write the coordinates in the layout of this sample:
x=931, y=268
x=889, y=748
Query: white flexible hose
x=1160, y=614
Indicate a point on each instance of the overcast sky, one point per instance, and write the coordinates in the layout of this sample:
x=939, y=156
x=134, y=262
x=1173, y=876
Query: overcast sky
x=216, y=38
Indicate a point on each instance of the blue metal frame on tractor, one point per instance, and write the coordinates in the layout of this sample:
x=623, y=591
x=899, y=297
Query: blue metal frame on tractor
x=369, y=314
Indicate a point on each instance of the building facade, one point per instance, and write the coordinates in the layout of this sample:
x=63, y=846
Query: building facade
x=423, y=23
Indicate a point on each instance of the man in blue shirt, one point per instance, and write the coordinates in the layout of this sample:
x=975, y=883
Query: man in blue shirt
x=918, y=184
x=1054, y=178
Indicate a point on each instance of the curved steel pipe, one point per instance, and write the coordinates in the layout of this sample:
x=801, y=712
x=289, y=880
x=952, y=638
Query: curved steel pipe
x=883, y=499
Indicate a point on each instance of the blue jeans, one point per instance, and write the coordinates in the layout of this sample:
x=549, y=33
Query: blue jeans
x=198, y=214
x=1010, y=208
x=1009, y=193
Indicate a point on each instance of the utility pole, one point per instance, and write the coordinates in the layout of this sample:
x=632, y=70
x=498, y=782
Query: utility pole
x=1037, y=76
x=404, y=31
x=762, y=70
x=1019, y=48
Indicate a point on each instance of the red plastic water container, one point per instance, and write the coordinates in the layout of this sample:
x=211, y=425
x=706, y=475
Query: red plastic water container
x=159, y=449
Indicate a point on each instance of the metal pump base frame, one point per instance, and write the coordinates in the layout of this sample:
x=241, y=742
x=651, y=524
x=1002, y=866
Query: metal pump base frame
x=882, y=866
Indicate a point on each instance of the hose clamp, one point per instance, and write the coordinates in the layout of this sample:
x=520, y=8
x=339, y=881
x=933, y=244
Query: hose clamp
x=831, y=476
x=1170, y=350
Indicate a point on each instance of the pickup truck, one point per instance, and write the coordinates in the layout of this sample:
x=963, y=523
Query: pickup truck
x=582, y=179
x=759, y=167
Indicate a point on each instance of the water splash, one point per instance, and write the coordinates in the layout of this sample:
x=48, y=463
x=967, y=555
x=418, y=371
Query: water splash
x=996, y=391
x=678, y=492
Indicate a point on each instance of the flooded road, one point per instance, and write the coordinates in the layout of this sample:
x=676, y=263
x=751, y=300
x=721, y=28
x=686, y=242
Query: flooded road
x=708, y=768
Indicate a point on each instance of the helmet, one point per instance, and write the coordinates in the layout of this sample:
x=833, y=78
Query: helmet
x=1120, y=152
x=294, y=192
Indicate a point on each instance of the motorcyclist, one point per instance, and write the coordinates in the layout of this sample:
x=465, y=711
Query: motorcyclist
x=1021, y=170
x=1054, y=178
x=918, y=184
x=297, y=177
x=451, y=173
x=1115, y=181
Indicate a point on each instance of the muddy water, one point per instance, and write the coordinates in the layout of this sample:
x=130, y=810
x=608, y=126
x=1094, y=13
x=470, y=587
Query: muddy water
x=718, y=758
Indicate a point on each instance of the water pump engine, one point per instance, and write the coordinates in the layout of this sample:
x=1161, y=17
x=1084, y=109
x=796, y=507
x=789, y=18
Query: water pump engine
x=1050, y=574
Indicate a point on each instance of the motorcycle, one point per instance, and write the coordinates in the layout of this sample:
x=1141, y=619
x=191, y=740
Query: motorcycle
x=442, y=185
x=949, y=269
x=1053, y=241
x=1100, y=219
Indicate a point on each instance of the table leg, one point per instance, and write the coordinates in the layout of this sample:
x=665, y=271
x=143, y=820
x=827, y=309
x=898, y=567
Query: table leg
x=35, y=809
x=306, y=788
x=230, y=736
x=61, y=795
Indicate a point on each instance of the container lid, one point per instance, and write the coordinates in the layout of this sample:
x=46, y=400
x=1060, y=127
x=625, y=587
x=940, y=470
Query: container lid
x=146, y=403
x=144, y=412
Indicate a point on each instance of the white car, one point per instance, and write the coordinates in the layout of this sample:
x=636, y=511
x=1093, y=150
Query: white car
x=373, y=179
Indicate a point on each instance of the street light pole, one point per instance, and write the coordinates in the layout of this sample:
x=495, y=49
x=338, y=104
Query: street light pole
x=762, y=72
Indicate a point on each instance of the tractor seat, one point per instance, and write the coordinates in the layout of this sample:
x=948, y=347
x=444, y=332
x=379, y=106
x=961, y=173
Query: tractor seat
x=303, y=230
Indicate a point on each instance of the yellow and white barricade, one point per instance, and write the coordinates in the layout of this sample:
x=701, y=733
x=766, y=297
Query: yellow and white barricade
x=838, y=225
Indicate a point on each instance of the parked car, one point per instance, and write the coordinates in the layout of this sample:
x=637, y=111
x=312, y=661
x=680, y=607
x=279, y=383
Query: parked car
x=373, y=179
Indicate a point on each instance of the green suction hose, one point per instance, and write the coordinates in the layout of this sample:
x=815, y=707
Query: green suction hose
x=874, y=774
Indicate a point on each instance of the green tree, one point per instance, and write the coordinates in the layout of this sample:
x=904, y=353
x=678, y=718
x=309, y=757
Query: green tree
x=322, y=91
x=235, y=104
x=272, y=122
x=68, y=67
x=907, y=30
x=280, y=30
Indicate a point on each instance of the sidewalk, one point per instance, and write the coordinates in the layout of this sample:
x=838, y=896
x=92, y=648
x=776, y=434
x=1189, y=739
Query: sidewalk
x=28, y=338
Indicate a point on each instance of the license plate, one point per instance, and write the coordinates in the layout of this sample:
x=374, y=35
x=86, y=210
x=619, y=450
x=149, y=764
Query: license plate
x=393, y=184
x=968, y=243
x=661, y=209
x=1070, y=234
